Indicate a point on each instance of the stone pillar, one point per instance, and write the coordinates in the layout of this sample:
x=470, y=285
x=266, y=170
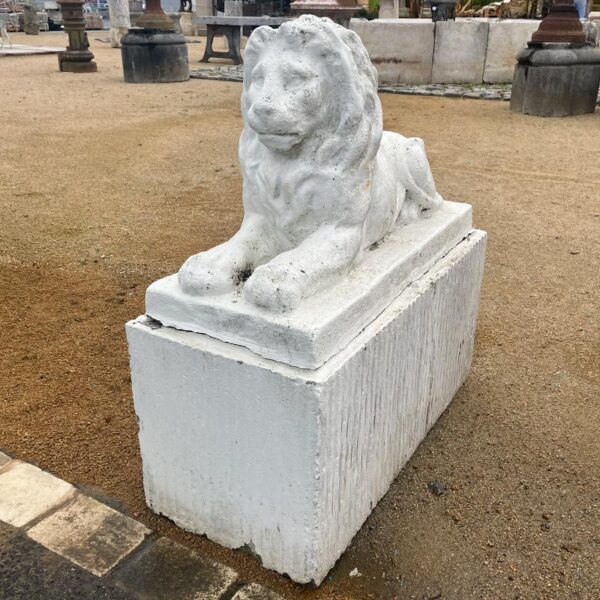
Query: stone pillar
x=77, y=58
x=188, y=28
x=387, y=9
x=203, y=8
x=234, y=8
x=30, y=20
x=118, y=12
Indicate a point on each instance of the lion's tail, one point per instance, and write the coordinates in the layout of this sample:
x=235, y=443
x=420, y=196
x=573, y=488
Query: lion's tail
x=418, y=180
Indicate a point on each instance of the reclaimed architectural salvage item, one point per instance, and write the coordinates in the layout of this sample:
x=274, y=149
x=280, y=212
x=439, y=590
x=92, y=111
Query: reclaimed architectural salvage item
x=120, y=21
x=339, y=11
x=340, y=318
x=156, y=53
x=558, y=74
x=31, y=25
x=77, y=58
x=230, y=27
x=294, y=240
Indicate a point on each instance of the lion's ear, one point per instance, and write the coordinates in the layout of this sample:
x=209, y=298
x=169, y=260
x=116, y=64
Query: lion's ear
x=261, y=35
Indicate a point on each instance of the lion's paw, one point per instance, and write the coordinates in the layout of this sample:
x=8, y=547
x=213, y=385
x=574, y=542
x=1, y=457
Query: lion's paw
x=201, y=275
x=274, y=287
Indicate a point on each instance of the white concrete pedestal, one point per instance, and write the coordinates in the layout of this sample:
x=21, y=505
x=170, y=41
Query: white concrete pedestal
x=290, y=461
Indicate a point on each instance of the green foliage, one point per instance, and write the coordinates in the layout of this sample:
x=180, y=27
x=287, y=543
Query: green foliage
x=371, y=13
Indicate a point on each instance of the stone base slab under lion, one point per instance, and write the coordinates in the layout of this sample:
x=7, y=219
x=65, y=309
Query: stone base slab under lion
x=289, y=462
x=324, y=324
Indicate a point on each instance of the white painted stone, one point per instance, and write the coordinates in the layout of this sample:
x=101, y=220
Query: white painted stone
x=253, y=591
x=120, y=22
x=90, y=534
x=324, y=324
x=505, y=40
x=27, y=492
x=289, y=461
x=187, y=26
x=460, y=51
x=400, y=49
x=4, y=459
x=322, y=181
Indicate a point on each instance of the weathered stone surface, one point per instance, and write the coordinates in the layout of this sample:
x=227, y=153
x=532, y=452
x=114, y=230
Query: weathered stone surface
x=312, y=131
x=90, y=534
x=290, y=461
x=253, y=591
x=28, y=571
x=323, y=325
x=388, y=9
x=556, y=82
x=188, y=28
x=30, y=20
x=4, y=459
x=204, y=8
x=400, y=49
x=460, y=51
x=234, y=8
x=27, y=492
x=120, y=22
x=505, y=40
x=169, y=571
x=154, y=57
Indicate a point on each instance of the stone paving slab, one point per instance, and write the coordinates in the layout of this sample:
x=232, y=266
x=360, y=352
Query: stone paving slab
x=28, y=571
x=4, y=459
x=90, y=534
x=26, y=50
x=57, y=543
x=253, y=591
x=184, y=575
x=446, y=90
x=27, y=492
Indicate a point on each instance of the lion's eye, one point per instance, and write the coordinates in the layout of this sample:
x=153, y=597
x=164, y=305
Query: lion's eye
x=297, y=78
x=258, y=76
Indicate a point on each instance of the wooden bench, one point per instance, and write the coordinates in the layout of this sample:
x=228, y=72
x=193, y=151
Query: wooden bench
x=230, y=27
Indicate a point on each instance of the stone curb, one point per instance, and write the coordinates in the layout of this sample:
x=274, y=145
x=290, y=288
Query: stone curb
x=450, y=90
x=110, y=546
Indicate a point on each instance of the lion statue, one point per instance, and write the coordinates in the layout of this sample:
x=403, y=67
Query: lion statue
x=322, y=181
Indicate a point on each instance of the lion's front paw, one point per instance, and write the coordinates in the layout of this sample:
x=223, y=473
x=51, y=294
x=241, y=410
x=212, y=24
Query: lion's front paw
x=202, y=275
x=275, y=287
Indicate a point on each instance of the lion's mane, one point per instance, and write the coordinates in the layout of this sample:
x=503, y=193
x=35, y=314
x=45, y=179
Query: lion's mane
x=355, y=125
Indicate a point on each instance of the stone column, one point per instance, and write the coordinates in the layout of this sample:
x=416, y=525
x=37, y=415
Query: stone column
x=387, y=9
x=118, y=11
x=203, y=8
x=30, y=20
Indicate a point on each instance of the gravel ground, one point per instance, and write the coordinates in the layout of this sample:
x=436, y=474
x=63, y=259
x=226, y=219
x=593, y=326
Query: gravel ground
x=104, y=187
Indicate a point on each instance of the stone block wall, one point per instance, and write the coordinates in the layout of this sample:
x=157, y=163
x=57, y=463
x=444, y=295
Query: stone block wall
x=400, y=49
x=417, y=51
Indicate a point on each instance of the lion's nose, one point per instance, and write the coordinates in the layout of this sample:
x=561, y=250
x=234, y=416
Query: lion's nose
x=263, y=109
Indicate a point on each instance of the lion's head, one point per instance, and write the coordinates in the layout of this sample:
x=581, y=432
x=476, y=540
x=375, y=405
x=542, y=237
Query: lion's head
x=310, y=85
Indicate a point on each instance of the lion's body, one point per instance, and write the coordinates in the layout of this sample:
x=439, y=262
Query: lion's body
x=322, y=181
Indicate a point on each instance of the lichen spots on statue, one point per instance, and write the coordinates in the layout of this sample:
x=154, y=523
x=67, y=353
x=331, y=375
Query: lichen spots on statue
x=322, y=181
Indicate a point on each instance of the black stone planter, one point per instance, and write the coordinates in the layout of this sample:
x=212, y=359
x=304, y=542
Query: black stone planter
x=556, y=80
x=154, y=56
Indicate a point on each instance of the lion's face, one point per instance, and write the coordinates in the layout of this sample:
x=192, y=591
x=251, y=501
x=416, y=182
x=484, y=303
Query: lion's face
x=286, y=100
